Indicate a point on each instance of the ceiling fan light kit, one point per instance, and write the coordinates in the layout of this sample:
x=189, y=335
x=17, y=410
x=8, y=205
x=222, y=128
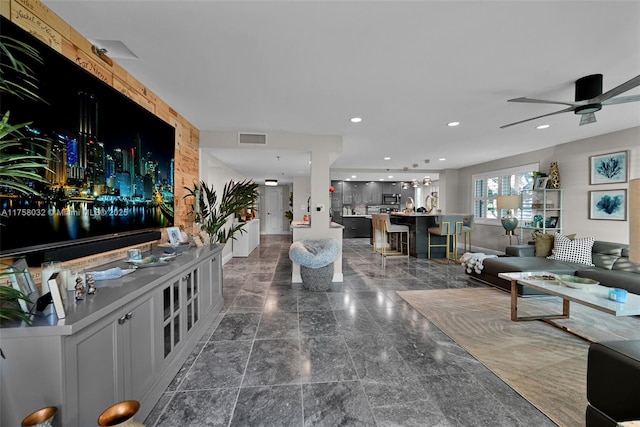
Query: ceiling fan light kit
x=589, y=99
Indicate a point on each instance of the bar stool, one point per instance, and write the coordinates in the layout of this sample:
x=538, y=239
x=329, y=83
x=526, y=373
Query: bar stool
x=388, y=238
x=467, y=229
x=446, y=226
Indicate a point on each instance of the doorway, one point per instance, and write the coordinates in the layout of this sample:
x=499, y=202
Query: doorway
x=274, y=211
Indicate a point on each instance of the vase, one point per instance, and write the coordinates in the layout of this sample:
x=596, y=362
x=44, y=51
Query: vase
x=554, y=176
x=40, y=418
x=120, y=415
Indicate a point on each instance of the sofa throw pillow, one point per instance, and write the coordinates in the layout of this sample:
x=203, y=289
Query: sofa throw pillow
x=577, y=250
x=544, y=244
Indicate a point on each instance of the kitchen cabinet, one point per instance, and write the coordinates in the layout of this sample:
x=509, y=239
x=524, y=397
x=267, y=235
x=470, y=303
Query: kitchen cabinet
x=391, y=188
x=125, y=342
x=372, y=193
x=356, y=226
x=352, y=194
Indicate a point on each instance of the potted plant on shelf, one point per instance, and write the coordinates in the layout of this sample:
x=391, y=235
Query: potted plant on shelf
x=212, y=212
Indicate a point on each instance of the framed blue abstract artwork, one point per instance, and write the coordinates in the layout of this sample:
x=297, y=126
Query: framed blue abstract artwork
x=608, y=204
x=609, y=168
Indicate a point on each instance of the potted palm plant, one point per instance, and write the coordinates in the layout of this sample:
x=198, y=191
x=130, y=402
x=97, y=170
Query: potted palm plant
x=212, y=212
x=18, y=167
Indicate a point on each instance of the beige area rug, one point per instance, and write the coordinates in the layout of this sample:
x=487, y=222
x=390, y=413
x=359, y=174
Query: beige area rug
x=544, y=364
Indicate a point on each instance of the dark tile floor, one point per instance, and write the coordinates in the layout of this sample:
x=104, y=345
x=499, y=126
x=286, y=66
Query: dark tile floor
x=358, y=356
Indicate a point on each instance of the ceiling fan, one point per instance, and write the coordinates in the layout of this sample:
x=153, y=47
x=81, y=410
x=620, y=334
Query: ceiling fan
x=589, y=99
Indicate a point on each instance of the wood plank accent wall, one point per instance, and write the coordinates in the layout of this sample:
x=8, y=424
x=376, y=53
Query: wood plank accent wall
x=42, y=22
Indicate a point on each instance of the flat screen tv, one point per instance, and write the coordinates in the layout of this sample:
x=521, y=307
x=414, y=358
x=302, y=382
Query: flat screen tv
x=110, y=171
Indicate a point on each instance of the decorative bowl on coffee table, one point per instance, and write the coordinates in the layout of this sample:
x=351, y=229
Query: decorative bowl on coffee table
x=575, y=281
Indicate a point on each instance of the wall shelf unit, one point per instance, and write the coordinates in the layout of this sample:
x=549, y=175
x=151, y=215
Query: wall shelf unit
x=541, y=210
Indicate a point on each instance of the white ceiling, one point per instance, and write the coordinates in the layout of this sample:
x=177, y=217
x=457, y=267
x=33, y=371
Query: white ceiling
x=406, y=67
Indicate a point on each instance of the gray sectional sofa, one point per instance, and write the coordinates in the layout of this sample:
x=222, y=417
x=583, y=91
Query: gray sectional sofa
x=612, y=267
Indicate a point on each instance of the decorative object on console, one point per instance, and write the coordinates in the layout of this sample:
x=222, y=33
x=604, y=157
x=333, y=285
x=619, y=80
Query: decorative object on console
x=609, y=168
x=634, y=220
x=608, y=204
x=21, y=280
x=56, y=288
x=509, y=221
x=173, y=233
x=554, y=176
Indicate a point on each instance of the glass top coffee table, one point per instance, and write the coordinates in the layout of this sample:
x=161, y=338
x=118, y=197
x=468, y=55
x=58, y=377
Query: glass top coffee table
x=594, y=296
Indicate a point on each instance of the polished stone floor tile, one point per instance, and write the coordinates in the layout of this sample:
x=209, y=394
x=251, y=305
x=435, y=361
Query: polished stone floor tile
x=326, y=358
x=411, y=415
x=274, y=362
x=316, y=301
x=269, y=406
x=375, y=356
x=199, y=408
x=279, y=355
x=219, y=364
x=336, y=404
x=278, y=324
x=237, y=326
x=314, y=323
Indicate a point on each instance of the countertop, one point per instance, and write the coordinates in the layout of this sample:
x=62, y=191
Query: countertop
x=305, y=224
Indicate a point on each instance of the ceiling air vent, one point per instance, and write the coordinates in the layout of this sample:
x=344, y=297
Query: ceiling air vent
x=252, y=138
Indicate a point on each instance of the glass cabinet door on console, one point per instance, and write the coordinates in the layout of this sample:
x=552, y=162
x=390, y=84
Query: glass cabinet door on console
x=172, y=310
x=192, y=288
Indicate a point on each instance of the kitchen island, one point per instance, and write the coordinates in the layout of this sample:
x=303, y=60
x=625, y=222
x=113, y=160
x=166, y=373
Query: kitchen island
x=419, y=224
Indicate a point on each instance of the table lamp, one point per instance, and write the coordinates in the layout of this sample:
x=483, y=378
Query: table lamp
x=509, y=222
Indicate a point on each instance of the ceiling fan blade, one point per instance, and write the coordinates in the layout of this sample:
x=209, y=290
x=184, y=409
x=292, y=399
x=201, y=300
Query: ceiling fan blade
x=621, y=100
x=616, y=90
x=585, y=119
x=544, y=101
x=566, y=110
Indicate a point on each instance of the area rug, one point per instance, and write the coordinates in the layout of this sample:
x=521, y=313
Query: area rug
x=544, y=364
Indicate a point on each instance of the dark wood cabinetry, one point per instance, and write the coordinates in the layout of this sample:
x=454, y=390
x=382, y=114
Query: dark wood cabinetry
x=356, y=226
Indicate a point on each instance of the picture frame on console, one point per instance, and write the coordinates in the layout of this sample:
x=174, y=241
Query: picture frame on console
x=552, y=222
x=610, y=168
x=608, y=204
x=174, y=235
x=21, y=280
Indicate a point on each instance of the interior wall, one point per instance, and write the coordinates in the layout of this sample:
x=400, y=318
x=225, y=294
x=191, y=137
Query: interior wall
x=573, y=161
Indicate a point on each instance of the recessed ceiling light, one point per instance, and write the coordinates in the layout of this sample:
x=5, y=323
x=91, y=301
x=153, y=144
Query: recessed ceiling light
x=442, y=159
x=542, y=127
x=390, y=176
x=452, y=124
x=356, y=120
x=387, y=158
x=380, y=179
x=353, y=176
